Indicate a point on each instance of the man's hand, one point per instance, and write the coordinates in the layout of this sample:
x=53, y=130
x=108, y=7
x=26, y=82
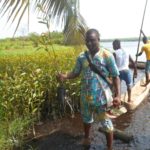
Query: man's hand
x=141, y=31
x=70, y=75
x=116, y=101
x=61, y=76
x=135, y=74
x=139, y=54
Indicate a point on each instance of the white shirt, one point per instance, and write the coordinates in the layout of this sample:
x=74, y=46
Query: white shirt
x=122, y=59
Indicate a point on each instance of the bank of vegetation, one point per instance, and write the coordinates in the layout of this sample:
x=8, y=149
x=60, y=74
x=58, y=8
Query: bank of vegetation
x=28, y=85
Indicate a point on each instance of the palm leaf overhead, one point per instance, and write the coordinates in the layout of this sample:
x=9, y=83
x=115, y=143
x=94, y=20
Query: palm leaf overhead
x=75, y=29
x=64, y=12
x=15, y=9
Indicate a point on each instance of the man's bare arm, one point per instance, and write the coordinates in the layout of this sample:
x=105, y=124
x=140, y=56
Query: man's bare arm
x=66, y=76
x=117, y=98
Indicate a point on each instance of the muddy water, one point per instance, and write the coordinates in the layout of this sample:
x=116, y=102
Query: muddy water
x=66, y=133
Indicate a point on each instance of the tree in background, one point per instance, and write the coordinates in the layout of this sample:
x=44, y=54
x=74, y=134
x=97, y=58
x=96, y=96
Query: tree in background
x=64, y=12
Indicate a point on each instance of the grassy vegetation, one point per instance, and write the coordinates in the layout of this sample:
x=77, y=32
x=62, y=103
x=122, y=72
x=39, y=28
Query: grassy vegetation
x=30, y=44
x=28, y=85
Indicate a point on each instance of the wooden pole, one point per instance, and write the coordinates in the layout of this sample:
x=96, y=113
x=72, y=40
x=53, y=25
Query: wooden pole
x=118, y=134
x=140, y=34
x=141, y=29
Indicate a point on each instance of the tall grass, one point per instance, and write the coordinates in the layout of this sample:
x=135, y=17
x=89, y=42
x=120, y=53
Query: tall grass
x=28, y=87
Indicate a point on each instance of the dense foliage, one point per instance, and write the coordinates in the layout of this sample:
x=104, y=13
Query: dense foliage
x=28, y=87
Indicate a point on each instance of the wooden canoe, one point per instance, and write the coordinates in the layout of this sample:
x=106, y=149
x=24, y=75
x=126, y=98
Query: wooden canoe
x=140, y=65
x=139, y=93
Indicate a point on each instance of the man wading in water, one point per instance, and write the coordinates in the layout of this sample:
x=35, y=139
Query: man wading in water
x=96, y=95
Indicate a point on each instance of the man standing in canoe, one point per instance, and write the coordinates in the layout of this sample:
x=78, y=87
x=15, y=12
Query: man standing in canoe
x=146, y=48
x=95, y=91
x=122, y=61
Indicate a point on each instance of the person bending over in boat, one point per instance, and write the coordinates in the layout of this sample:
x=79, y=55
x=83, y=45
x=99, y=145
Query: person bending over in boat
x=122, y=60
x=146, y=48
x=95, y=91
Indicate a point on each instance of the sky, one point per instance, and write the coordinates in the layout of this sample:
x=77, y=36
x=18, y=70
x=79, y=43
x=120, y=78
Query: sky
x=112, y=18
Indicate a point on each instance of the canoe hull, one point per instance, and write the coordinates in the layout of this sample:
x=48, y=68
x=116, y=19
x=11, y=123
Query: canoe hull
x=139, y=93
x=140, y=65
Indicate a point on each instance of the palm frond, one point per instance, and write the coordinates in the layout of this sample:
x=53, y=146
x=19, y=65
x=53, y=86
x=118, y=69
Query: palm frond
x=5, y=5
x=15, y=9
x=63, y=12
x=75, y=30
x=20, y=18
x=66, y=13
